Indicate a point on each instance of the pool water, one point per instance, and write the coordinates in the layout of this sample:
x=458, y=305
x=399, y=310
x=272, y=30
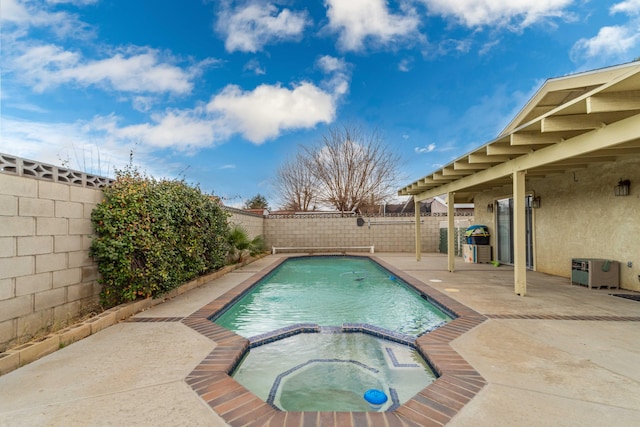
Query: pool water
x=331, y=369
x=331, y=291
x=331, y=372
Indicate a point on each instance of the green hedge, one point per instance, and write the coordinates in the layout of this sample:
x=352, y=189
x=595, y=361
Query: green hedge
x=154, y=235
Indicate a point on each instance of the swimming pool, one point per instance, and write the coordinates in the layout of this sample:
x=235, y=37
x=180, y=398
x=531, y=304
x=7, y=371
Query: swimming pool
x=332, y=368
x=457, y=382
x=331, y=291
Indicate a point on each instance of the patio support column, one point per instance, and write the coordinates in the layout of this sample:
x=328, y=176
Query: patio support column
x=418, y=231
x=519, y=234
x=451, y=231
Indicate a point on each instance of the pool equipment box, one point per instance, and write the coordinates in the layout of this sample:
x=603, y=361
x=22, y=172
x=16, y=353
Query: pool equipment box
x=476, y=253
x=595, y=273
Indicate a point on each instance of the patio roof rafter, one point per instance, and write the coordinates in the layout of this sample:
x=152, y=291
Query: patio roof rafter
x=614, y=101
x=566, y=112
x=610, y=136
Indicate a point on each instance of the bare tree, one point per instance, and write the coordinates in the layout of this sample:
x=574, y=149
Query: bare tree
x=354, y=169
x=296, y=185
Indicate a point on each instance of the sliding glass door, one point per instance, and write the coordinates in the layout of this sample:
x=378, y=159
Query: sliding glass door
x=504, y=230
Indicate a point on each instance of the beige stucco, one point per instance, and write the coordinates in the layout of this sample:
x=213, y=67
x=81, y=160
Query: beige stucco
x=580, y=217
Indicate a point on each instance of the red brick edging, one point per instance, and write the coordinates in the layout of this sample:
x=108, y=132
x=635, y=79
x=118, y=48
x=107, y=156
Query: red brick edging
x=435, y=405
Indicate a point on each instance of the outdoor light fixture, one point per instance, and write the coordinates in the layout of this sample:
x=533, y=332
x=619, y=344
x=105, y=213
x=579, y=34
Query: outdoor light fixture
x=535, y=202
x=490, y=208
x=623, y=187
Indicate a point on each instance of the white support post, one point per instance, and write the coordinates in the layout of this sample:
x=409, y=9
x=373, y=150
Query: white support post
x=418, y=231
x=519, y=234
x=451, y=232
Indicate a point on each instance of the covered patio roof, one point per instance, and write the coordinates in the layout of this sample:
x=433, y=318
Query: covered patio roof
x=571, y=123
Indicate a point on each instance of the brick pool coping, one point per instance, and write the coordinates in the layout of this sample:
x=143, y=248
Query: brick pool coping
x=457, y=383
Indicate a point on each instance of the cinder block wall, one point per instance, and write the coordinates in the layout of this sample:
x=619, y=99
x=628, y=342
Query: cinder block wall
x=46, y=274
x=252, y=223
x=387, y=234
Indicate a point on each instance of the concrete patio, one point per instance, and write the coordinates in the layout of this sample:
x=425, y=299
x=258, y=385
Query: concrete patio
x=561, y=356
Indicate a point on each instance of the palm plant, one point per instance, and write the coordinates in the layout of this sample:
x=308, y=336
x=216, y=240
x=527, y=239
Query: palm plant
x=240, y=245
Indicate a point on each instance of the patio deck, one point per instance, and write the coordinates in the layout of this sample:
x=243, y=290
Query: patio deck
x=562, y=355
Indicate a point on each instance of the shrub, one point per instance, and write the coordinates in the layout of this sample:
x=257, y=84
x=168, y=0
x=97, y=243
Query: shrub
x=240, y=245
x=152, y=236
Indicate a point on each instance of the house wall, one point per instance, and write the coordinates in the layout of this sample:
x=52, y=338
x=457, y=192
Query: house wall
x=580, y=217
x=46, y=274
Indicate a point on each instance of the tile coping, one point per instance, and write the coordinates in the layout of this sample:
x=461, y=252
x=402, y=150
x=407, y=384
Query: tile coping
x=457, y=383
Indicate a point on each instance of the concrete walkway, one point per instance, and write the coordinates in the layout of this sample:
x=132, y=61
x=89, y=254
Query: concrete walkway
x=561, y=356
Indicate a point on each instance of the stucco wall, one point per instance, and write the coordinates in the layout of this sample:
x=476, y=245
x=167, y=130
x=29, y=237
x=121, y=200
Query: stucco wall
x=46, y=274
x=580, y=217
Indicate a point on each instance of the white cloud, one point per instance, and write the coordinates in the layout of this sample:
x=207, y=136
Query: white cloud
x=138, y=70
x=73, y=2
x=14, y=11
x=330, y=64
x=257, y=115
x=54, y=143
x=358, y=21
x=405, y=65
x=182, y=130
x=266, y=111
x=610, y=42
x=487, y=47
x=229, y=166
x=17, y=17
x=143, y=103
x=338, y=72
x=518, y=13
x=90, y=146
x=250, y=27
x=630, y=7
x=255, y=67
x=426, y=149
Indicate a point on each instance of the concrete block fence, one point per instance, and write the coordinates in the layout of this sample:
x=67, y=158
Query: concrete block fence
x=46, y=275
x=252, y=223
x=387, y=234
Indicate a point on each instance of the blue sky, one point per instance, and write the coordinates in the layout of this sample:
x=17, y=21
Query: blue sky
x=221, y=93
